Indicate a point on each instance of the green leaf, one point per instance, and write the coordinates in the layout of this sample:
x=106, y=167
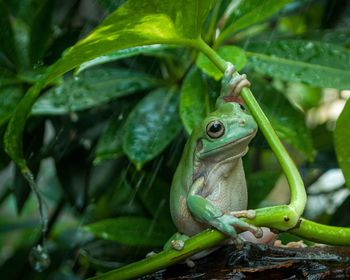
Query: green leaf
x=155, y=50
x=7, y=38
x=341, y=142
x=9, y=98
x=152, y=125
x=41, y=30
x=135, y=23
x=110, y=144
x=139, y=23
x=132, y=231
x=232, y=54
x=288, y=122
x=92, y=88
x=317, y=64
x=194, y=101
x=250, y=12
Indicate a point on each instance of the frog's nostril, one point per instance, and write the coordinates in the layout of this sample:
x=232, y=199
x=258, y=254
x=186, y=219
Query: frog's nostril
x=242, y=123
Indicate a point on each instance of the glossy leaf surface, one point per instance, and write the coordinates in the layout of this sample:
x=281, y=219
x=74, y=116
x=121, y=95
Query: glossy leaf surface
x=152, y=125
x=250, y=12
x=314, y=63
x=133, y=24
x=155, y=50
x=92, y=88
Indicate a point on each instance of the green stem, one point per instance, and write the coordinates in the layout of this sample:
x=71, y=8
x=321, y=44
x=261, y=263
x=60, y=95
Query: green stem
x=322, y=233
x=197, y=243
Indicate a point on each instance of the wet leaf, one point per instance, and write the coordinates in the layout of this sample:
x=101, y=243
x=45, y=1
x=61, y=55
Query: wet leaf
x=134, y=24
x=133, y=231
x=9, y=98
x=92, y=88
x=317, y=64
x=288, y=122
x=341, y=142
x=155, y=50
x=110, y=144
x=152, y=125
x=232, y=54
x=194, y=100
x=138, y=23
x=250, y=12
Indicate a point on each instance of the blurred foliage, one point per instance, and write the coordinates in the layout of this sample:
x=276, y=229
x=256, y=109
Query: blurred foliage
x=104, y=142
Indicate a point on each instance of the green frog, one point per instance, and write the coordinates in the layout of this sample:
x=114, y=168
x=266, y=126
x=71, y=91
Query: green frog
x=209, y=187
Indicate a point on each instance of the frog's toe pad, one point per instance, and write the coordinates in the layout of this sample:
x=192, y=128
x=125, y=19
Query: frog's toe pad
x=249, y=214
x=230, y=69
x=178, y=245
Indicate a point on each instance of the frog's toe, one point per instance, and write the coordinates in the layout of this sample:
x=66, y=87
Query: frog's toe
x=249, y=214
x=238, y=242
x=230, y=69
x=178, y=245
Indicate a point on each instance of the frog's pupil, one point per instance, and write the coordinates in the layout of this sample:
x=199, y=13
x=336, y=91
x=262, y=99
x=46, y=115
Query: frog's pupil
x=216, y=127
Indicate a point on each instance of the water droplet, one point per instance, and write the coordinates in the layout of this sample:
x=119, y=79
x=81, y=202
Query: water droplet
x=39, y=258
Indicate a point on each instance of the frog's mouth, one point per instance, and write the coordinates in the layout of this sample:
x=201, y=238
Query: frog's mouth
x=233, y=149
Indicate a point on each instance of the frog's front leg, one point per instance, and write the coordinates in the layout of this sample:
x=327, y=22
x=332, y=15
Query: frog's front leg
x=204, y=211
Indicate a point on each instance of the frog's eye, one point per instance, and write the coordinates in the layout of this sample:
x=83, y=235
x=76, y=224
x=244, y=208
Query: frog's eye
x=215, y=129
x=241, y=106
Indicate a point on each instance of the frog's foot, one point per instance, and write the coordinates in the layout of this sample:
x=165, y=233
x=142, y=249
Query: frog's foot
x=232, y=84
x=237, y=83
x=177, y=241
x=228, y=224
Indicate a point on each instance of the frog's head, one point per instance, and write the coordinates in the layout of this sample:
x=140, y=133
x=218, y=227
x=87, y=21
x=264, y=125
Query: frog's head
x=226, y=132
